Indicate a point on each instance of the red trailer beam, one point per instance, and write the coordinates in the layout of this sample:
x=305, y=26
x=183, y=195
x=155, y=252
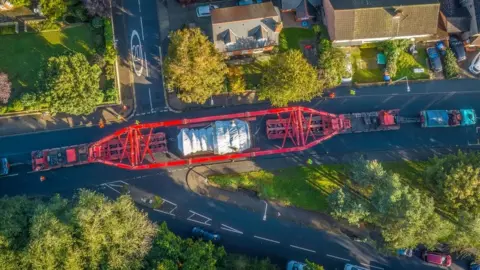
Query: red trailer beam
x=134, y=142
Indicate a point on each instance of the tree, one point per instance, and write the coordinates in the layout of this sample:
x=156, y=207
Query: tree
x=332, y=63
x=366, y=172
x=98, y=7
x=313, y=266
x=71, y=85
x=289, y=78
x=19, y=3
x=393, y=49
x=451, y=65
x=456, y=180
x=5, y=88
x=53, y=9
x=236, y=81
x=193, y=66
x=344, y=204
x=105, y=243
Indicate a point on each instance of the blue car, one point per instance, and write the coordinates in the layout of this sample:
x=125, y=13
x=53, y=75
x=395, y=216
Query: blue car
x=434, y=59
x=205, y=235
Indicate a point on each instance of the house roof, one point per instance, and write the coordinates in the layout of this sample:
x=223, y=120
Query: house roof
x=243, y=13
x=385, y=22
x=477, y=13
x=242, y=32
x=293, y=4
x=457, y=18
x=356, y=4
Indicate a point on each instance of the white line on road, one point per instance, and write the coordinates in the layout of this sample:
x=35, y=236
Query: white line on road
x=265, y=213
x=111, y=188
x=371, y=266
x=306, y=249
x=141, y=27
x=146, y=62
x=340, y=258
x=21, y=163
x=168, y=213
x=139, y=6
x=9, y=175
x=230, y=229
x=266, y=239
x=207, y=219
x=150, y=97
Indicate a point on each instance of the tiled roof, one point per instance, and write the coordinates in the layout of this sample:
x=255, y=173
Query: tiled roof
x=356, y=4
x=384, y=22
x=243, y=13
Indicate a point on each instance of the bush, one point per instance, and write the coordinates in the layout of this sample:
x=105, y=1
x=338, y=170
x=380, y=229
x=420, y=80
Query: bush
x=81, y=13
x=236, y=81
x=110, y=95
x=110, y=72
x=7, y=29
x=97, y=22
x=28, y=99
x=98, y=60
x=317, y=29
x=18, y=3
x=16, y=106
x=392, y=49
x=282, y=42
x=3, y=109
x=451, y=65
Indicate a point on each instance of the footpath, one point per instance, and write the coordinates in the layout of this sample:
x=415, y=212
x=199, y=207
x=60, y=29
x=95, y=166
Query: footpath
x=197, y=181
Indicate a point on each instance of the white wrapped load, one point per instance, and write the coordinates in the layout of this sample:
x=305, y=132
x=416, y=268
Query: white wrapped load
x=222, y=138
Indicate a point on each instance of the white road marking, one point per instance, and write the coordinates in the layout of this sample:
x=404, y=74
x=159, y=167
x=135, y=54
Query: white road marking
x=168, y=213
x=137, y=53
x=9, y=175
x=16, y=164
x=265, y=213
x=371, y=266
x=33, y=172
x=111, y=188
x=146, y=63
x=141, y=27
x=306, y=249
x=139, y=6
x=150, y=98
x=230, y=229
x=266, y=239
x=340, y=258
x=194, y=214
x=117, y=181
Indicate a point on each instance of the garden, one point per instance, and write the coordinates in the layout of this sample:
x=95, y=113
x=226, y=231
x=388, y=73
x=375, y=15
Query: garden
x=68, y=30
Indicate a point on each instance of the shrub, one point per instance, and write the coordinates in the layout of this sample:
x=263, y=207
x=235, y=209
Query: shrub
x=110, y=72
x=81, y=13
x=28, y=99
x=17, y=106
x=110, y=95
x=5, y=88
x=3, y=109
x=451, y=65
x=282, y=42
x=317, y=29
x=19, y=3
x=98, y=60
x=7, y=29
x=97, y=22
x=236, y=81
x=392, y=49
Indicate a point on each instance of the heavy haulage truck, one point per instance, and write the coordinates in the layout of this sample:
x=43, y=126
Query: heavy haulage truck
x=229, y=137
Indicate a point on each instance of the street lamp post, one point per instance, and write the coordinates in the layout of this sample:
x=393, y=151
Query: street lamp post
x=403, y=79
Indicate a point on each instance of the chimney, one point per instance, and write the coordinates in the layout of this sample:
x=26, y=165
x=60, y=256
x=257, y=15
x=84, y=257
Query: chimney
x=398, y=14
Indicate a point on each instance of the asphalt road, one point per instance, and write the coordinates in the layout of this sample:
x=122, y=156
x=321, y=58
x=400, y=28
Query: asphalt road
x=285, y=240
x=140, y=22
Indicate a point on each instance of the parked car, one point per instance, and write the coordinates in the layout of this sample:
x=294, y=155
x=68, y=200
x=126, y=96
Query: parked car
x=434, y=59
x=475, y=66
x=437, y=258
x=408, y=252
x=205, y=11
x=474, y=266
x=354, y=267
x=205, y=235
x=458, y=49
x=294, y=265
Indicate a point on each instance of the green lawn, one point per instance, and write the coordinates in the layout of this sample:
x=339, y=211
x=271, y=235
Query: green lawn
x=364, y=65
x=290, y=37
x=304, y=187
x=406, y=63
x=309, y=187
x=22, y=55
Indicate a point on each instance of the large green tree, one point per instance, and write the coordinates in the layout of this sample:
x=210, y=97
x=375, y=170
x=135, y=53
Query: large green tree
x=289, y=78
x=53, y=9
x=71, y=85
x=332, y=63
x=456, y=180
x=344, y=204
x=193, y=66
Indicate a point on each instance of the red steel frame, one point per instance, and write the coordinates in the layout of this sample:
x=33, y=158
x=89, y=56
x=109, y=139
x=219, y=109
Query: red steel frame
x=128, y=147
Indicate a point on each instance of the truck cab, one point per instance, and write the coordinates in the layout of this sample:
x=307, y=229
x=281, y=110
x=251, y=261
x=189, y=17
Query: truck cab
x=4, y=166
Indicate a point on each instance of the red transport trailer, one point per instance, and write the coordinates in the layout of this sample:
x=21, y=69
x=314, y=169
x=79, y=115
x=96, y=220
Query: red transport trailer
x=215, y=138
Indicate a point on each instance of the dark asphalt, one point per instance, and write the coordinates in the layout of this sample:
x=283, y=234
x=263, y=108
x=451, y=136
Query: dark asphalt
x=160, y=182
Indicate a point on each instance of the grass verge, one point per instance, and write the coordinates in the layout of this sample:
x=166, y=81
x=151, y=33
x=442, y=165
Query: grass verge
x=308, y=187
x=23, y=54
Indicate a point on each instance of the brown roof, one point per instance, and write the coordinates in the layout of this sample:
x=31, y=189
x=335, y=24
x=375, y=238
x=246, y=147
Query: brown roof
x=243, y=13
x=384, y=22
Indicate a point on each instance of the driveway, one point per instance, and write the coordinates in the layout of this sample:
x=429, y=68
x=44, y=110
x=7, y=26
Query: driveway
x=464, y=65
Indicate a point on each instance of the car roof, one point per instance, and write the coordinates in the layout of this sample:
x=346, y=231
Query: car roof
x=204, y=9
x=436, y=257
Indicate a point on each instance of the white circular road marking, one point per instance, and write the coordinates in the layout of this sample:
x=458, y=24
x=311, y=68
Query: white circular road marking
x=137, y=53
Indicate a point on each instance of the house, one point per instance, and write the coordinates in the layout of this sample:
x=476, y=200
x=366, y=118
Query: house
x=302, y=9
x=247, y=29
x=455, y=18
x=354, y=22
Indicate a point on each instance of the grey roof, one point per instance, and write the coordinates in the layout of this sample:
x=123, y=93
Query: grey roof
x=477, y=12
x=245, y=33
x=385, y=22
x=293, y=4
x=355, y=4
x=458, y=17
